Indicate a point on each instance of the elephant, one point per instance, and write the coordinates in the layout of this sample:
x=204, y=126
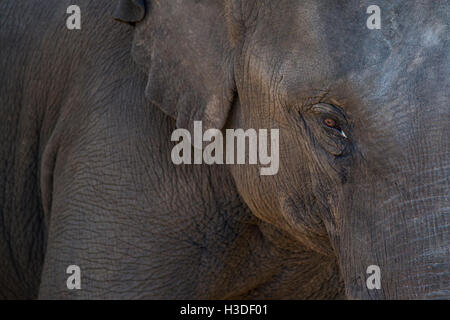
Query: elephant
x=87, y=177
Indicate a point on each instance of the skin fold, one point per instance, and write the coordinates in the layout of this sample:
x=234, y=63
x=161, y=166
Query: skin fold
x=86, y=176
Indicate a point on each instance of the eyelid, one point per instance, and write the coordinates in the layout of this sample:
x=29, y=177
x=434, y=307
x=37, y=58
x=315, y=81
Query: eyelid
x=331, y=111
x=328, y=108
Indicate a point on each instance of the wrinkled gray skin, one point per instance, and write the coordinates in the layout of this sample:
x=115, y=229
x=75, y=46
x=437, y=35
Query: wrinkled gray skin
x=85, y=170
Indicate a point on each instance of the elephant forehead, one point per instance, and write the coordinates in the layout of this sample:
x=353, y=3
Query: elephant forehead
x=306, y=44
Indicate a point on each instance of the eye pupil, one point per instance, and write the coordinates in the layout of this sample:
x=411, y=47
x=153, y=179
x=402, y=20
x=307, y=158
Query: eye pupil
x=330, y=122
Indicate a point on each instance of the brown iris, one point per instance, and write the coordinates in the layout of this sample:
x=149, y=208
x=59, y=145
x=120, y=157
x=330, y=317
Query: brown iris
x=330, y=122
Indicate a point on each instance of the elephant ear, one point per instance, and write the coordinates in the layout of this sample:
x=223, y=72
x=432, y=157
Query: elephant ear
x=130, y=11
x=185, y=48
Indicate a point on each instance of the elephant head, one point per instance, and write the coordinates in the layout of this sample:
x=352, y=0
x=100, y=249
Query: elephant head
x=363, y=119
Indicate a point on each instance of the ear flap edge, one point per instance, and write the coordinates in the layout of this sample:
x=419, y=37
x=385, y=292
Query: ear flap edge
x=130, y=11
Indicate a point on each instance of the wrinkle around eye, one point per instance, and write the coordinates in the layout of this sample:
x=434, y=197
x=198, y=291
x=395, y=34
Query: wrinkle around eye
x=333, y=146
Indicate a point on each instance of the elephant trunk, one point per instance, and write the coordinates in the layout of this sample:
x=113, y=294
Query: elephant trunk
x=397, y=219
x=413, y=250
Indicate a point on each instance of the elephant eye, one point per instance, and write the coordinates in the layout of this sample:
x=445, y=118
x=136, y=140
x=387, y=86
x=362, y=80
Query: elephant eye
x=330, y=122
x=333, y=124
